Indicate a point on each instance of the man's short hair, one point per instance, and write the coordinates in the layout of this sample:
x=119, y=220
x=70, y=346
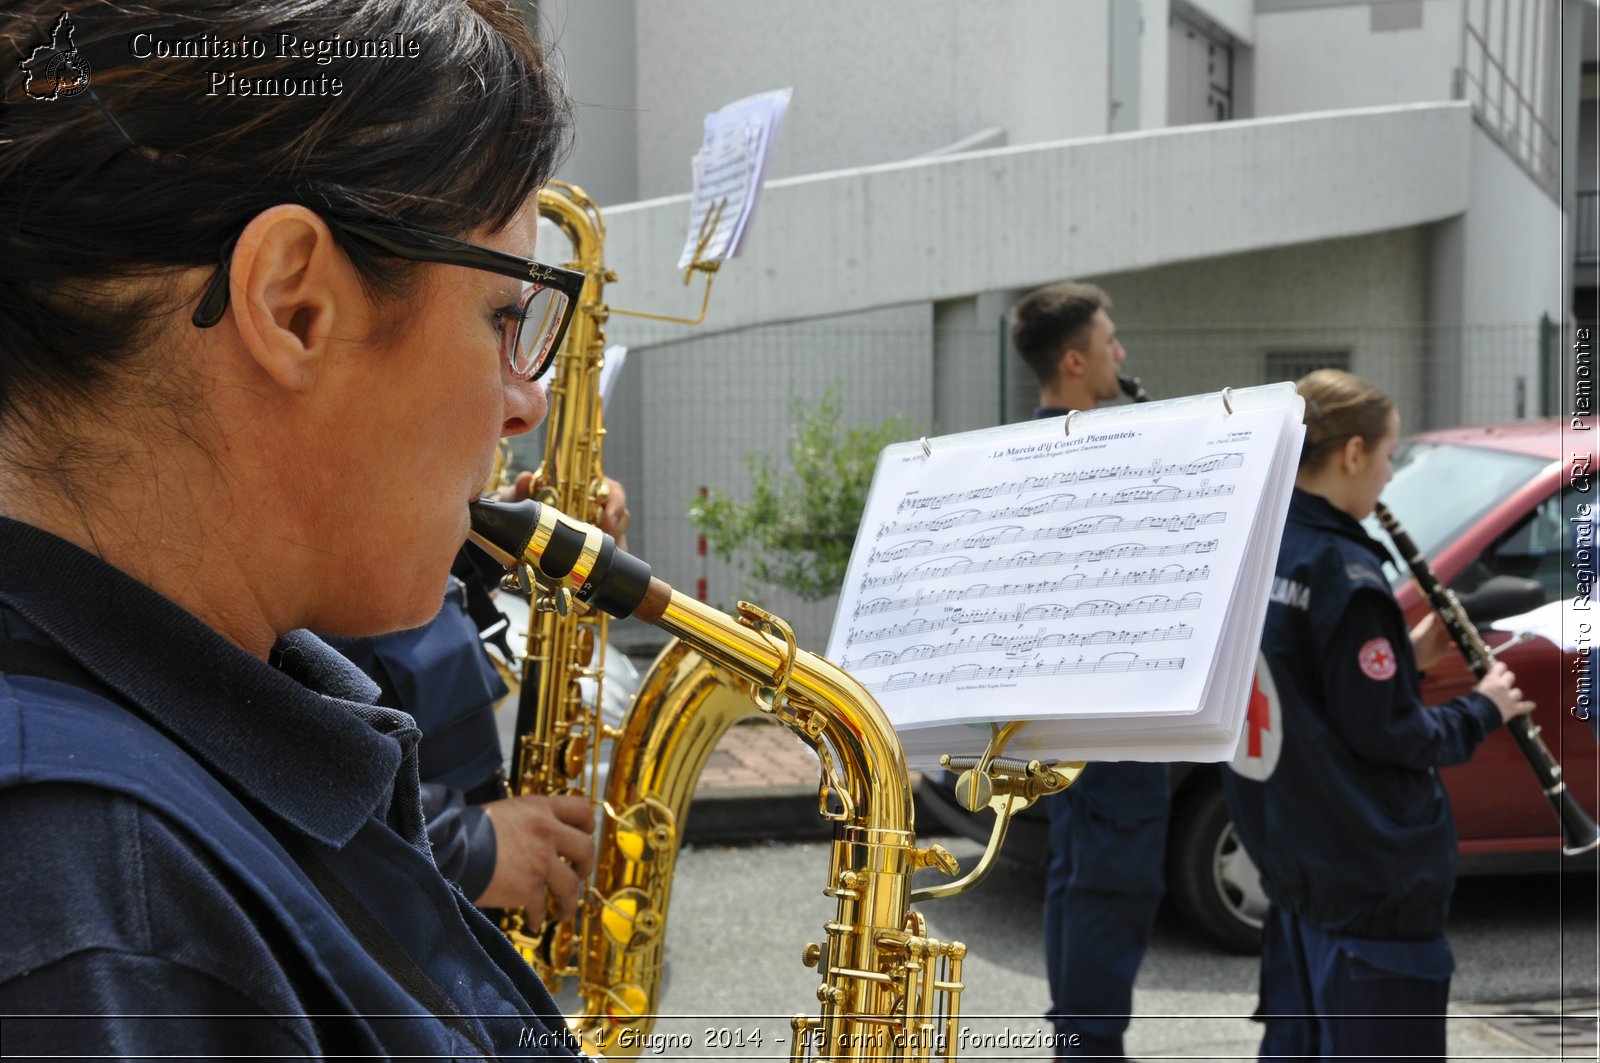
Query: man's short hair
x=1050, y=321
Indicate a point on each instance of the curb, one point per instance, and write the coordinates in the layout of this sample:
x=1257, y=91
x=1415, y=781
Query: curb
x=775, y=814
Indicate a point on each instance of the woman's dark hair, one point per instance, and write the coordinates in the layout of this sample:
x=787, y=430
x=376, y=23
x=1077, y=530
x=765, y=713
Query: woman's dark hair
x=1340, y=405
x=162, y=141
x=1051, y=320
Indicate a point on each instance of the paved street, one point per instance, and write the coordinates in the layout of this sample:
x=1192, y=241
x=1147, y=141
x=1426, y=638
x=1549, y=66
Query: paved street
x=740, y=917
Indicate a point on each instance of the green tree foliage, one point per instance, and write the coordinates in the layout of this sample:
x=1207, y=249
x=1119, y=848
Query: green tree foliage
x=798, y=527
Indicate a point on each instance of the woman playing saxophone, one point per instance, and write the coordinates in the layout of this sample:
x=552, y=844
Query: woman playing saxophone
x=256, y=351
x=530, y=850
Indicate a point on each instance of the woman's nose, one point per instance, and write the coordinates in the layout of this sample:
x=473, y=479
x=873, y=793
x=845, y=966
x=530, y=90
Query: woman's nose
x=526, y=405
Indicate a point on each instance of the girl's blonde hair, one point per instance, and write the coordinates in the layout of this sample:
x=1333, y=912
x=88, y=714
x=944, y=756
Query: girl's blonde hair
x=1340, y=405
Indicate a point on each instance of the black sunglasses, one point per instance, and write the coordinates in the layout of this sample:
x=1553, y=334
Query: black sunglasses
x=542, y=312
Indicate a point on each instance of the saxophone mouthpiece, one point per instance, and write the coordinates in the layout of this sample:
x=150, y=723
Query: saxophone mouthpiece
x=570, y=554
x=503, y=529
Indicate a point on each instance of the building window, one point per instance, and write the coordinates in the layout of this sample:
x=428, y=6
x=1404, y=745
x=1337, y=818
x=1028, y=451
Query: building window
x=1200, y=78
x=1292, y=365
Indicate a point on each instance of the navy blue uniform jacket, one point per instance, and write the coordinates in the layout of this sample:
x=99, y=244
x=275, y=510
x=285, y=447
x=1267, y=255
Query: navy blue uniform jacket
x=1351, y=827
x=440, y=675
x=150, y=897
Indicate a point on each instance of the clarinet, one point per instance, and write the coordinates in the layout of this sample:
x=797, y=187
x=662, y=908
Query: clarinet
x=1578, y=831
x=1132, y=388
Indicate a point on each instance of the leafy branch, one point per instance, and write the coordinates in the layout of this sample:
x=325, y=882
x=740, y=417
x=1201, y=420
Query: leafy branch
x=800, y=523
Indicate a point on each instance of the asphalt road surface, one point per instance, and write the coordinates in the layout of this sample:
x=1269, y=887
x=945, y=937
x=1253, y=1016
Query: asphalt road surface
x=739, y=918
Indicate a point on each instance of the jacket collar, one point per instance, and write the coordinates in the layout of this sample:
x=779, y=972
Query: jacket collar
x=295, y=735
x=1314, y=511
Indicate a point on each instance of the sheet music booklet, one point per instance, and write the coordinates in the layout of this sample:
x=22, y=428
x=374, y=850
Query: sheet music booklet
x=1104, y=576
x=731, y=165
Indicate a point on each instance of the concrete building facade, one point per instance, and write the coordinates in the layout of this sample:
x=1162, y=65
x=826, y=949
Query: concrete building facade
x=1262, y=186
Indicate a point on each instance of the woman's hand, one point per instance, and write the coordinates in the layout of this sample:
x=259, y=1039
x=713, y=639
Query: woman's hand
x=543, y=846
x=1430, y=641
x=1499, y=686
x=518, y=490
x=614, y=518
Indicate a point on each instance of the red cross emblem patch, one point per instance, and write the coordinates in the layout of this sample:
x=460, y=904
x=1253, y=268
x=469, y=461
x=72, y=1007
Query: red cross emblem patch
x=1377, y=660
x=1261, y=742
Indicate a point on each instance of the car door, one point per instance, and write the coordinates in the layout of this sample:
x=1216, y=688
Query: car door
x=1499, y=807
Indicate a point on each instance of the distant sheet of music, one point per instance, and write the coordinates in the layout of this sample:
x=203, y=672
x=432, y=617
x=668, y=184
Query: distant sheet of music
x=1104, y=576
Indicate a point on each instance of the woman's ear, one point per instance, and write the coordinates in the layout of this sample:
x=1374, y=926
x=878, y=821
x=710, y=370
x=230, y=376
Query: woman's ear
x=1352, y=454
x=289, y=279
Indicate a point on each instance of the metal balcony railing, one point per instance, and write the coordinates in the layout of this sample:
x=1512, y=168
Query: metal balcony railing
x=1505, y=71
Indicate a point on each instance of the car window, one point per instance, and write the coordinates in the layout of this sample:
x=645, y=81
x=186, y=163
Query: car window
x=1440, y=490
x=1536, y=548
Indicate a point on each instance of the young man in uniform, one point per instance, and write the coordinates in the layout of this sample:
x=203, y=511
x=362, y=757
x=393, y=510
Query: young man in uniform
x=1108, y=830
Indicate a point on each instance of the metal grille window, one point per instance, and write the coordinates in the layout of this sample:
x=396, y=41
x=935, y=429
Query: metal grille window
x=1586, y=229
x=1292, y=365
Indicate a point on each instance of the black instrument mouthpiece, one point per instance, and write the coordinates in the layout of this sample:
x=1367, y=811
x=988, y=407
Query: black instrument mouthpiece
x=564, y=551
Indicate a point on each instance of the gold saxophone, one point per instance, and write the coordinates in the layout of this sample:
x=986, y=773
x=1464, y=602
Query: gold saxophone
x=887, y=989
x=559, y=731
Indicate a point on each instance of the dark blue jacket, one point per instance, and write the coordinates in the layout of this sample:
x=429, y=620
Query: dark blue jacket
x=152, y=903
x=1350, y=826
x=441, y=676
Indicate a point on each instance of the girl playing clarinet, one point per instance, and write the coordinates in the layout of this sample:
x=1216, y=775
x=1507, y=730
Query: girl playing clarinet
x=1343, y=811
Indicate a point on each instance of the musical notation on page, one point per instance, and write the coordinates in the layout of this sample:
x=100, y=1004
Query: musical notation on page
x=1072, y=581
x=1154, y=471
x=955, y=618
x=964, y=565
x=1005, y=563
x=1007, y=536
x=972, y=673
x=1016, y=645
x=1053, y=505
x=1102, y=577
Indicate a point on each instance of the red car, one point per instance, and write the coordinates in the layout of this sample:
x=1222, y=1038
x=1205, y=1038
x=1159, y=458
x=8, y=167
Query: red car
x=1499, y=526
x=1498, y=510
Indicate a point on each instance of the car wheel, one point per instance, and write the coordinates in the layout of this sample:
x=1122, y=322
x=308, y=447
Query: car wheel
x=1212, y=880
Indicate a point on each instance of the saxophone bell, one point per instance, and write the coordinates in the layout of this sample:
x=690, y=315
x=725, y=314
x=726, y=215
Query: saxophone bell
x=888, y=989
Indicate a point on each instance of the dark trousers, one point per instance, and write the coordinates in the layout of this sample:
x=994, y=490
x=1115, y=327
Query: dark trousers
x=1107, y=838
x=1320, y=999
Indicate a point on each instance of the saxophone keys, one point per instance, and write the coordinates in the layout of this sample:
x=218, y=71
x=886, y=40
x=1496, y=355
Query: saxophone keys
x=936, y=856
x=626, y=1003
x=629, y=920
x=645, y=829
x=830, y=994
x=574, y=756
x=556, y=600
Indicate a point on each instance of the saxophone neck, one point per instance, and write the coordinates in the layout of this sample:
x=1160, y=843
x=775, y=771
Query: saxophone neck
x=814, y=697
